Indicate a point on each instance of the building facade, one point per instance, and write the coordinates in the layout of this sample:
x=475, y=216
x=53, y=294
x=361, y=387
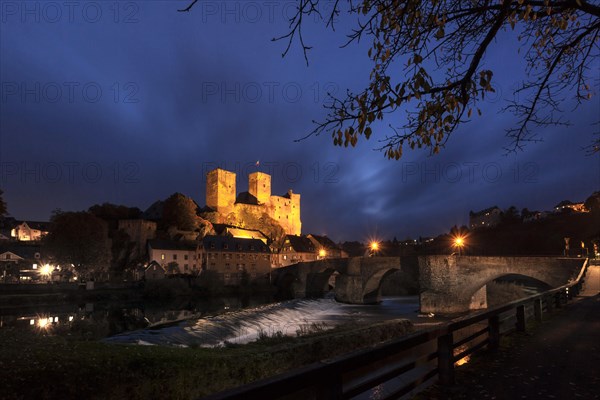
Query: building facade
x=175, y=257
x=221, y=196
x=29, y=231
x=566, y=205
x=325, y=247
x=230, y=258
x=485, y=218
x=295, y=249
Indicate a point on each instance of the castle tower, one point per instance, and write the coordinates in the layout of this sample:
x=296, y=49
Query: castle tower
x=259, y=186
x=295, y=222
x=220, y=190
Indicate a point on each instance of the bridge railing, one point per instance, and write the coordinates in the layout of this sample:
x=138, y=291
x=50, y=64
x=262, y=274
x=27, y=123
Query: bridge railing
x=398, y=367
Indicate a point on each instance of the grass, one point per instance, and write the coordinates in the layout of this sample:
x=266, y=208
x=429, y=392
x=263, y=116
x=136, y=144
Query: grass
x=36, y=365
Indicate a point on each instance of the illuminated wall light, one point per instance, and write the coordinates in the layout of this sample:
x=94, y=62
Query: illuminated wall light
x=43, y=322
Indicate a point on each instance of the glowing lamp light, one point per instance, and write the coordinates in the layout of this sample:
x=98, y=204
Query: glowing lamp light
x=459, y=243
x=374, y=246
x=46, y=270
x=322, y=253
x=43, y=322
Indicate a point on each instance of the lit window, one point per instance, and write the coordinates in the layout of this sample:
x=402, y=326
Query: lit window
x=162, y=256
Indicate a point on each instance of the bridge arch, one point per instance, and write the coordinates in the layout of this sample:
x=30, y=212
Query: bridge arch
x=479, y=296
x=372, y=288
x=318, y=282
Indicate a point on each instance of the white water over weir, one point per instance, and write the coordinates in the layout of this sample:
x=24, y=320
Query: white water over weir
x=287, y=317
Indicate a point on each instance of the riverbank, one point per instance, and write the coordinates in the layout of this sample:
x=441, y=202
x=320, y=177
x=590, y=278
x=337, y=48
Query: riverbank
x=44, y=366
x=45, y=294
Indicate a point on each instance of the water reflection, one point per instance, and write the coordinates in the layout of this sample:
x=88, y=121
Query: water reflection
x=103, y=319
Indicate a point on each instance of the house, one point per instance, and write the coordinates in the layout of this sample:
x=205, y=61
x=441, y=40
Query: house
x=154, y=271
x=295, y=249
x=568, y=206
x=21, y=262
x=29, y=230
x=325, y=247
x=176, y=257
x=231, y=257
x=485, y=218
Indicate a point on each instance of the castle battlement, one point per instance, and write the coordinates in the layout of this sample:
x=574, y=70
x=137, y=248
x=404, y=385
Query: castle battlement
x=221, y=197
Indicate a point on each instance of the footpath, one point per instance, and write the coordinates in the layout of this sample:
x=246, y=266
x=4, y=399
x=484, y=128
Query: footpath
x=556, y=359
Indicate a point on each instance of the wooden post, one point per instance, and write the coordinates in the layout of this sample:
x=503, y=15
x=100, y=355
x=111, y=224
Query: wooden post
x=520, y=318
x=558, y=300
x=494, y=332
x=446, y=359
x=549, y=303
x=537, y=309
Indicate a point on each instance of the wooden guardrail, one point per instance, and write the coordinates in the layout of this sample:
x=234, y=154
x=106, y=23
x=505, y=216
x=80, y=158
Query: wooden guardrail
x=411, y=357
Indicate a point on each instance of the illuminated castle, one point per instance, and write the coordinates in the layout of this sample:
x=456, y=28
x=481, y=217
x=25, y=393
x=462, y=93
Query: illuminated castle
x=221, y=197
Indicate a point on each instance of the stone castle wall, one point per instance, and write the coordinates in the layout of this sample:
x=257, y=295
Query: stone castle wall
x=282, y=210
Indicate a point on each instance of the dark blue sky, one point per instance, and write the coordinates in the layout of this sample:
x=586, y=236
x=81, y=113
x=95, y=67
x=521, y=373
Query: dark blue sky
x=130, y=103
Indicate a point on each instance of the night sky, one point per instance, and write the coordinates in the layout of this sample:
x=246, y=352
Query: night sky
x=129, y=103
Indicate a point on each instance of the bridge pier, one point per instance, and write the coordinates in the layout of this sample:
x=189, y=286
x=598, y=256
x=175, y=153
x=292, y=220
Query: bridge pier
x=348, y=289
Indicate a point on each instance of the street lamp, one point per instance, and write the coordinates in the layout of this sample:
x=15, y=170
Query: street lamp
x=46, y=271
x=459, y=242
x=374, y=247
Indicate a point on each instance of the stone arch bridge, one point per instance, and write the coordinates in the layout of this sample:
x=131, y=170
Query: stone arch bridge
x=447, y=284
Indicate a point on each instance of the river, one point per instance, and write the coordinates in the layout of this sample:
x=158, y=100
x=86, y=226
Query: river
x=198, y=323
x=207, y=323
